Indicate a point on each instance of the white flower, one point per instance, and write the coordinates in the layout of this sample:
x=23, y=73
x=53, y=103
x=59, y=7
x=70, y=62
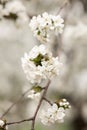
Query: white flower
x=38, y=50
x=43, y=24
x=64, y=103
x=31, y=71
x=39, y=64
x=2, y=123
x=16, y=10
x=52, y=115
x=32, y=94
x=57, y=25
x=46, y=118
x=23, y=19
x=14, y=7
x=51, y=67
x=6, y=127
x=57, y=113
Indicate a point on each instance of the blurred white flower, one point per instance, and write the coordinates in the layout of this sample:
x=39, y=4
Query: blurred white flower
x=16, y=10
x=52, y=115
x=6, y=127
x=40, y=64
x=64, y=103
x=32, y=72
x=14, y=7
x=43, y=24
x=33, y=95
x=57, y=25
x=52, y=67
x=2, y=123
x=23, y=19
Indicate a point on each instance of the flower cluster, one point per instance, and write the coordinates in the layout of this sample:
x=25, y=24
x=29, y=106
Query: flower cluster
x=3, y=125
x=52, y=115
x=14, y=10
x=39, y=64
x=43, y=24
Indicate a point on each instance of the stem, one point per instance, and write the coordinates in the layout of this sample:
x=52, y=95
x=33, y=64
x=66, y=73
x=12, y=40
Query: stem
x=63, y=6
x=18, y=122
x=40, y=102
x=34, y=117
x=45, y=99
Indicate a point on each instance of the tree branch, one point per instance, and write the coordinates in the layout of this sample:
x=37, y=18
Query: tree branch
x=63, y=6
x=37, y=109
x=15, y=103
x=40, y=102
x=18, y=122
x=45, y=99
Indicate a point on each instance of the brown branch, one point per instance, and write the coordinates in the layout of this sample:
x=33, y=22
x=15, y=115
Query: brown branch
x=62, y=7
x=18, y=122
x=37, y=109
x=40, y=102
x=15, y=103
x=45, y=99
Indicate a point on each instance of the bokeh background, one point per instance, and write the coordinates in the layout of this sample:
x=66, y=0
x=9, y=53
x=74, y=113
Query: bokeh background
x=71, y=47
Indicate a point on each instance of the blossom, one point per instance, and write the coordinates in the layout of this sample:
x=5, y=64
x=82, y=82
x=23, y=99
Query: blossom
x=43, y=24
x=3, y=125
x=35, y=92
x=15, y=10
x=32, y=94
x=39, y=64
x=63, y=103
x=52, y=67
x=52, y=115
x=14, y=7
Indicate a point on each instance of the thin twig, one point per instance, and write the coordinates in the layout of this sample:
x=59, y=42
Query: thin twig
x=62, y=7
x=15, y=103
x=47, y=101
x=34, y=117
x=18, y=122
x=40, y=102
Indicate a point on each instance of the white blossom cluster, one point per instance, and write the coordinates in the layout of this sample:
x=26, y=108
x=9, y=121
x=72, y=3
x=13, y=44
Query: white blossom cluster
x=63, y=103
x=44, y=24
x=15, y=10
x=39, y=64
x=2, y=125
x=52, y=115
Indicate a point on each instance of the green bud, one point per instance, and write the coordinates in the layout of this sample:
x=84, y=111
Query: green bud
x=63, y=103
x=38, y=59
x=37, y=88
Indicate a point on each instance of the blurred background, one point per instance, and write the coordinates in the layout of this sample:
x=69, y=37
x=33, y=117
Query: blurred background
x=16, y=38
